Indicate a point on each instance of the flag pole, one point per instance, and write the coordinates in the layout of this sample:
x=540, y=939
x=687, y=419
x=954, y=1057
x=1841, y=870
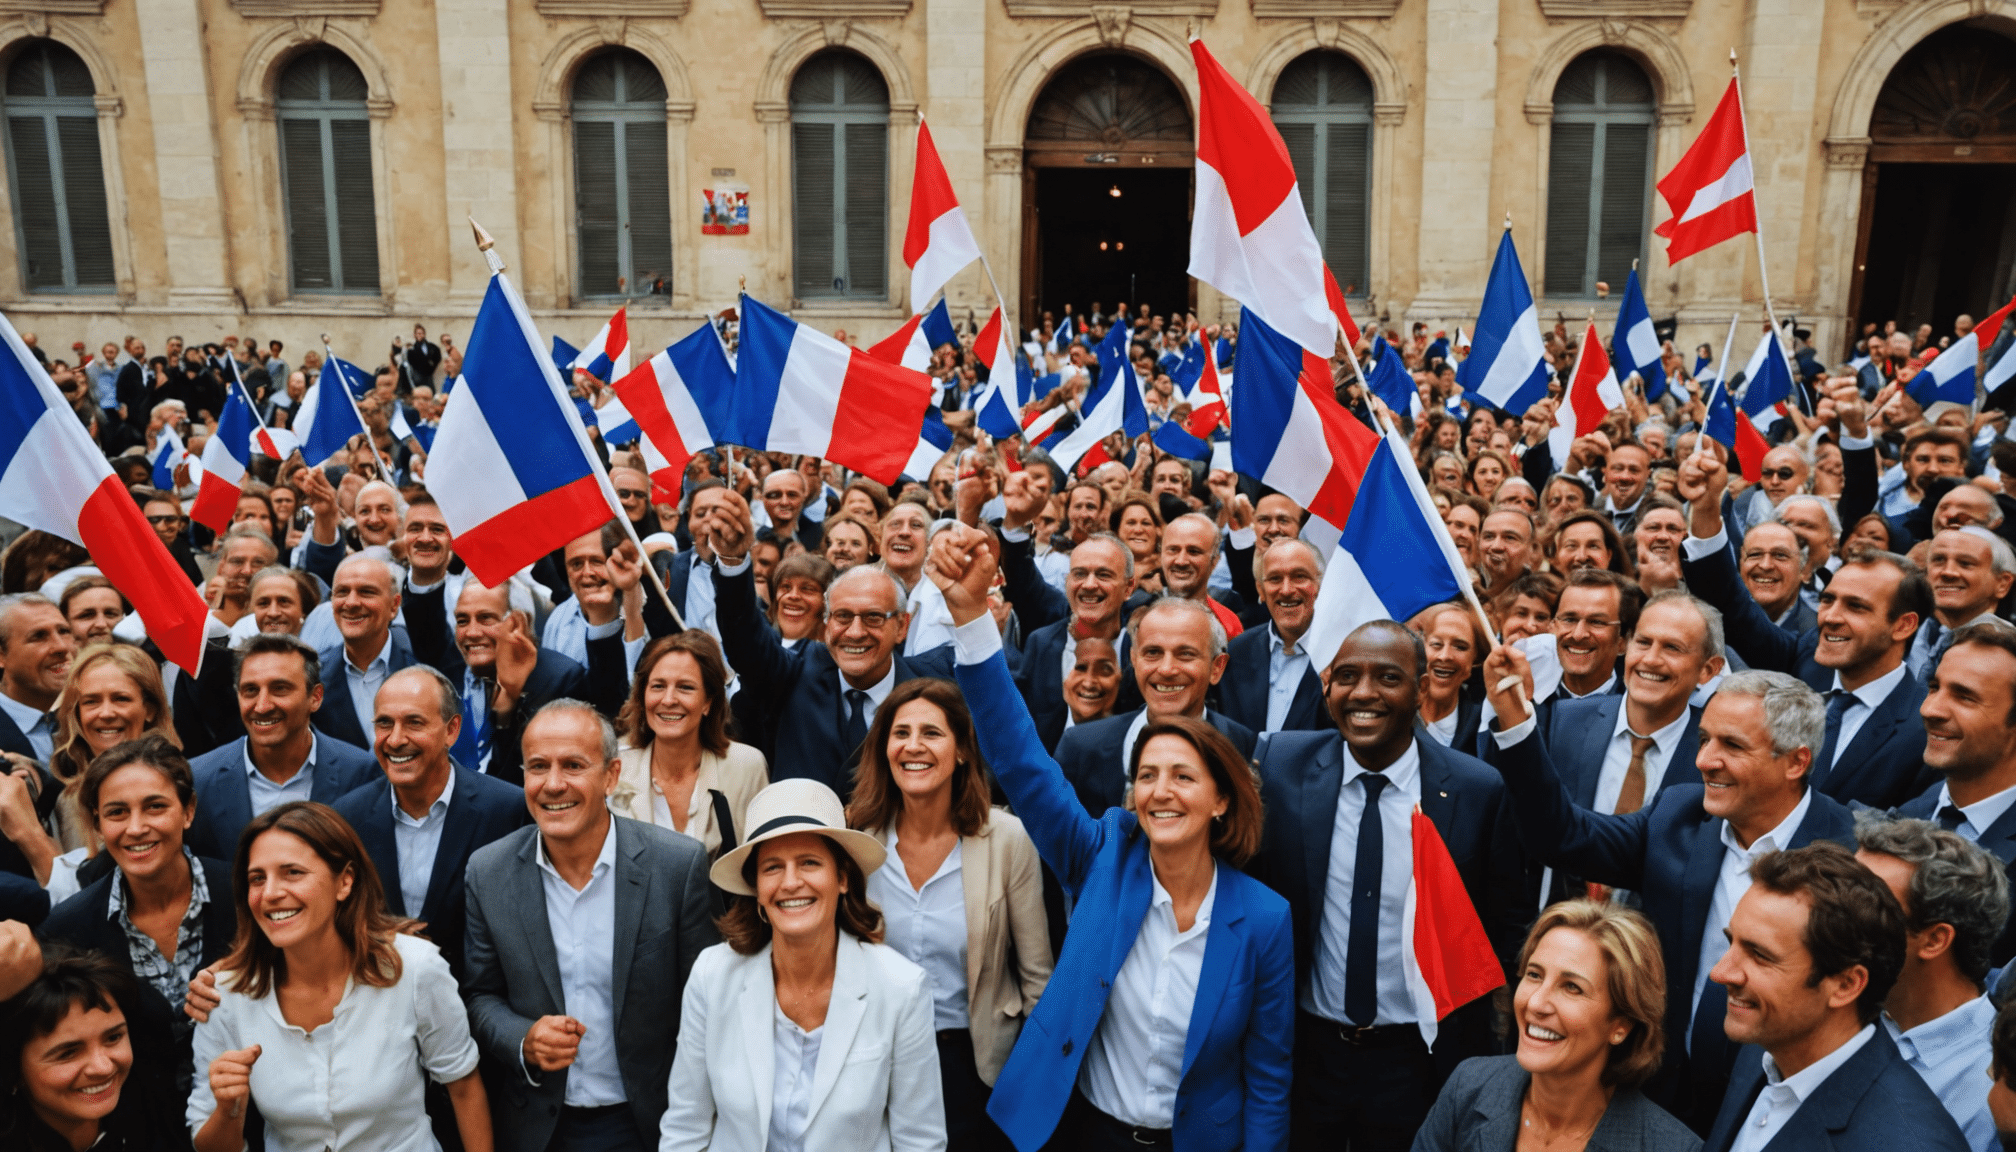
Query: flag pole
x=1721, y=379
x=1763, y=273
x=487, y=246
x=383, y=465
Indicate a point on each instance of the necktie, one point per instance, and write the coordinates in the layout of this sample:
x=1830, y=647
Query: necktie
x=1950, y=818
x=856, y=729
x=1838, y=703
x=1935, y=634
x=1361, y=956
x=472, y=744
x=1631, y=797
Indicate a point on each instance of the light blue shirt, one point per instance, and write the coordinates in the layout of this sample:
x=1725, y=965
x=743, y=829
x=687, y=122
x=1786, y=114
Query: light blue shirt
x=568, y=632
x=1322, y=993
x=38, y=726
x=417, y=842
x=1285, y=667
x=365, y=682
x=266, y=795
x=583, y=924
x=1782, y=1095
x=1952, y=1054
x=105, y=379
x=1866, y=700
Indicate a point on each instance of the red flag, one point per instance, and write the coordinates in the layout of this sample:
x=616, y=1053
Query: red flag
x=1338, y=308
x=1710, y=192
x=938, y=242
x=1750, y=448
x=1452, y=958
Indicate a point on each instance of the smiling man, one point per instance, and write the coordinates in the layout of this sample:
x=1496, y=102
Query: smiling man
x=35, y=651
x=1269, y=684
x=1688, y=852
x=1189, y=553
x=505, y=679
x=1773, y=559
x=364, y=600
x=1593, y=622
x=1972, y=570
x=1504, y=548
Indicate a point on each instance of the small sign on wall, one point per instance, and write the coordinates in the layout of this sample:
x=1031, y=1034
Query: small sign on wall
x=724, y=210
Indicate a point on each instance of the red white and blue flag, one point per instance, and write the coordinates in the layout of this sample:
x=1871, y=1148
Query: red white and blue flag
x=939, y=242
x=669, y=398
x=1450, y=962
x=1951, y=378
x=1114, y=404
x=913, y=344
x=998, y=408
x=607, y=356
x=799, y=390
x=1507, y=367
x=226, y=455
x=169, y=453
x=1711, y=192
x=1637, y=348
x=1592, y=392
x=54, y=479
x=1207, y=395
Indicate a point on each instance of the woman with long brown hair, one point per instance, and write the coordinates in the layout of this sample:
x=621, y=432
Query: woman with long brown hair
x=113, y=694
x=680, y=769
x=320, y=979
x=961, y=891
x=1587, y=539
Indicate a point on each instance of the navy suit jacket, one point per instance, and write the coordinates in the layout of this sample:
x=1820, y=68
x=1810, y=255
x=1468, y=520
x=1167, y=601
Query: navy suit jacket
x=554, y=677
x=1670, y=853
x=795, y=706
x=1232, y=1089
x=12, y=739
x=483, y=809
x=1885, y=764
x=1090, y=756
x=338, y=715
x=1243, y=691
x=1999, y=839
x=1301, y=774
x=1873, y=1103
x=224, y=795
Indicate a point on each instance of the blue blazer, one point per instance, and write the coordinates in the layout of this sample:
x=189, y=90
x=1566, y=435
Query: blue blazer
x=224, y=795
x=2000, y=839
x=483, y=809
x=1873, y=1103
x=1243, y=691
x=794, y=703
x=1090, y=756
x=1670, y=853
x=1884, y=765
x=338, y=715
x=1237, y=1054
x=554, y=677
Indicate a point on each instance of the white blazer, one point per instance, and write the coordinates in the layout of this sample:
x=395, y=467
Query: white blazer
x=875, y=1088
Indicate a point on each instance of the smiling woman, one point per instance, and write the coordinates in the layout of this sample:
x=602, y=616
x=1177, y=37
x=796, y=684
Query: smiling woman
x=680, y=769
x=66, y=1059
x=113, y=694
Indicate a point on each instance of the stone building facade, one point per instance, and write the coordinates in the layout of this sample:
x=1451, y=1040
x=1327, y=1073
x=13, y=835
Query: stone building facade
x=252, y=182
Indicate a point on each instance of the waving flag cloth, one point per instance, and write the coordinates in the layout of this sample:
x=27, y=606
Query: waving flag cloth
x=329, y=417
x=1592, y=392
x=1171, y=438
x=939, y=242
x=1061, y=339
x=1009, y=380
x=670, y=398
x=607, y=356
x=1731, y=428
x=1636, y=342
x=1450, y=962
x=1390, y=380
x=912, y=344
x=169, y=453
x=1767, y=382
x=226, y=456
x=1507, y=364
x=799, y=390
x=1334, y=297
x=1250, y=237
x=1951, y=377
x=512, y=467
x=53, y=479
x=1207, y=396
x=1113, y=405
x=934, y=439
x=1710, y=191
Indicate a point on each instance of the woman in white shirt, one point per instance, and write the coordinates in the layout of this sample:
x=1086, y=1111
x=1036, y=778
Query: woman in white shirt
x=961, y=892
x=332, y=1015
x=803, y=1033
x=681, y=771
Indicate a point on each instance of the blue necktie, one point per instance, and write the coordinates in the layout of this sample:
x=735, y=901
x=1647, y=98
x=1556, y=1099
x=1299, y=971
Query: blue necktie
x=1838, y=703
x=856, y=728
x=472, y=744
x=1361, y=956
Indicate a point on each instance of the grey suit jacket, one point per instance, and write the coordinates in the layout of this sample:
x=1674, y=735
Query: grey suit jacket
x=664, y=910
x=1478, y=1111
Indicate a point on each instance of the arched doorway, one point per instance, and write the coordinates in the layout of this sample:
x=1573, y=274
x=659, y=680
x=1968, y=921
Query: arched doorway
x=1106, y=189
x=1938, y=219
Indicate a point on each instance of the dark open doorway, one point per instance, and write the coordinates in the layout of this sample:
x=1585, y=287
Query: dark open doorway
x=1133, y=247
x=1941, y=241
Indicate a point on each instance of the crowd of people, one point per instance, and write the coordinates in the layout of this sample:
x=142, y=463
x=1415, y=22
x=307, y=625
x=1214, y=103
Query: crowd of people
x=1005, y=807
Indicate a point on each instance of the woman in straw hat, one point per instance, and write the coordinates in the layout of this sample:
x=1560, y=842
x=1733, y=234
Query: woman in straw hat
x=803, y=1032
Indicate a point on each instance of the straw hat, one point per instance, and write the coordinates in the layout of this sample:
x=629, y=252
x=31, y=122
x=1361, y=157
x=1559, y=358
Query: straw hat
x=787, y=808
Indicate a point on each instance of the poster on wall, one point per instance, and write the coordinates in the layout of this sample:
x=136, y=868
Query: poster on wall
x=724, y=211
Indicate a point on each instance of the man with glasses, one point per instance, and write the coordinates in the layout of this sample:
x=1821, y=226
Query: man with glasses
x=164, y=513
x=784, y=505
x=633, y=491
x=1771, y=563
x=1786, y=473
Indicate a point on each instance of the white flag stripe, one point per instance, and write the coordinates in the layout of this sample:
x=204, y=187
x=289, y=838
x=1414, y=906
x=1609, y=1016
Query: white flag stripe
x=1731, y=184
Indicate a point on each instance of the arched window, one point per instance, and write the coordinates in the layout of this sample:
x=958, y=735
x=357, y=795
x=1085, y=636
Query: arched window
x=54, y=168
x=1599, y=173
x=840, y=178
x=1323, y=108
x=325, y=170
x=622, y=181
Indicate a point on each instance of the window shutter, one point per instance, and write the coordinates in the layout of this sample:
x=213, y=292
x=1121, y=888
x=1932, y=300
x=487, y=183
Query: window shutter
x=867, y=261
x=356, y=214
x=1301, y=141
x=595, y=205
x=35, y=203
x=1627, y=167
x=307, y=209
x=84, y=196
x=1323, y=109
x=1570, y=168
x=812, y=208
x=1347, y=196
x=650, y=206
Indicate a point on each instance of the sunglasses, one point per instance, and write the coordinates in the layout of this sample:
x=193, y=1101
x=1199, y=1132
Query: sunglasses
x=631, y=494
x=1779, y=473
x=159, y=521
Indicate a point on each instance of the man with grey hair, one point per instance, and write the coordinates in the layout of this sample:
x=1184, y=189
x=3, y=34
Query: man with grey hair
x=1189, y=553
x=1269, y=684
x=1956, y=901
x=1972, y=570
x=245, y=550
x=364, y=599
x=582, y=929
x=1773, y=561
x=1688, y=852
x=1818, y=527
x=1967, y=504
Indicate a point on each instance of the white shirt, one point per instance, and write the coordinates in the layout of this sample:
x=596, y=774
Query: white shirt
x=1285, y=666
x=796, y=1063
x=364, y=683
x=1444, y=730
x=1617, y=758
x=357, y=1081
x=1867, y=698
x=699, y=607
x=928, y=926
x=417, y=842
x=930, y=620
x=1980, y=815
x=1322, y=994
x=267, y=795
x=1730, y=885
x=583, y=924
x=1135, y=1061
x=1782, y=1095
x=1602, y=689
x=38, y=726
x=1952, y=1054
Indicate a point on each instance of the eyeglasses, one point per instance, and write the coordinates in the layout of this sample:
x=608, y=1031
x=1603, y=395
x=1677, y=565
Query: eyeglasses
x=1779, y=473
x=1775, y=555
x=873, y=621
x=631, y=494
x=161, y=521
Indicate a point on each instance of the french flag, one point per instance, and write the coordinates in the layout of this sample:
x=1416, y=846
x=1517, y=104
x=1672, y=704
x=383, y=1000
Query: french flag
x=169, y=453
x=1390, y=380
x=1507, y=365
x=512, y=467
x=1009, y=380
x=226, y=456
x=1207, y=396
x=799, y=390
x=1767, y=379
x=934, y=439
x=669, y=398
x=54, y=479
x=1450, y=962
x=1334, y=296
x=1291, y=434
x=1950, y=378
x=1592, y=392
x=1173, y=439
x=1250, y=237
x=607, y=356
x=913, y=344
x=1637, y=342
x=1711, y=192
x=1733, y=430
x=939, y=242
x=1113, y=405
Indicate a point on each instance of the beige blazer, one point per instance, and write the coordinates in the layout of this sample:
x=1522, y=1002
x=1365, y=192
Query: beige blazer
x=1003, y=886
x=739, y=776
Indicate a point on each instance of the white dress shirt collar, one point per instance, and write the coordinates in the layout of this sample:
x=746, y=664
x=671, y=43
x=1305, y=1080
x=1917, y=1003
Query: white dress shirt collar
x=1804, y=1082
x=1774, y=840
x=1403, y=775
x=1609, y=682
x=1878, y=690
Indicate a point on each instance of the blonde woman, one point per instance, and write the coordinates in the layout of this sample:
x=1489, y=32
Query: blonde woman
x=681, y=771
x=113, y=694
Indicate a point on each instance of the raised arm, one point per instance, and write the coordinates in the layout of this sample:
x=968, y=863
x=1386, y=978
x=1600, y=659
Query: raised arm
x=753, y=650
x=1709, y=565
x=1035, y=600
